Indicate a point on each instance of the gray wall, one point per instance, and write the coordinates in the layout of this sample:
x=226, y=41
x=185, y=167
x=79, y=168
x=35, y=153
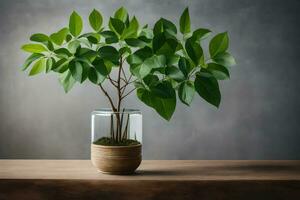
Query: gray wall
x=259, y=113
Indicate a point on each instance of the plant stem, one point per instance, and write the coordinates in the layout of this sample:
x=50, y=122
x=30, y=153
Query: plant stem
x=124, y=75
x=113, y=82
x=119, y=125
x=125, y=135
x=116, y=133
x=109, y=98
x=121, y=122
x=128, y=93
x=112, y=127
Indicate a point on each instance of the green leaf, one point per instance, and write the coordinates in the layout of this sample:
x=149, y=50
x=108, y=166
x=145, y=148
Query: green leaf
x=95, y=77
x=63, y=53
x=151, y=80
x=175, y=84
x=86, y=53
x=179, y=47
x=163, y=25
x=38, y=67
x=219, y=72
x=79, y=71
x=163, y=45
x=131, y=30
x=135, y=42
x=144, y=53
x=101, y=67
x=145, y=96
x=84, y=61
x=172, y=60
x=39, y=37
x=109, y=64
x=85, y=72
x=138, y=84
x=34, y=48
x=184, y=66
x=73, y=46
x=194, y=51
x=218, y=44
x=165, y=107
x=59, y=36
x=125, y=51
x=31, y=59
x=224, y=59
x=49, y=63
x=109, y=53
x=208, y=88
x=185, y=23
x=202, y=62
x=139, y=56
x=110, y=37
x=186, y=92
x=95, y=20
x=155, y=61
x=116, y=25
x=93, y=38
x=67, y=81
x=49, y=45
x=75, y=24
x=174, y=73
x=142, y=70
x=121, y=14
x=61, y=65
x=163, y=90
x=200, y=34
x=134, y=59
x=84, y=42
x=68, y=37
x=76, y=70
x=146, y=35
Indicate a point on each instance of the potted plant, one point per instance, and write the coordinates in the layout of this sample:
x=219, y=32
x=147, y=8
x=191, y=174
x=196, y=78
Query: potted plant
x=158, y=63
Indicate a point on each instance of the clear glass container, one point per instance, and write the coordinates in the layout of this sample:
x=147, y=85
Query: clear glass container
x=111, y=128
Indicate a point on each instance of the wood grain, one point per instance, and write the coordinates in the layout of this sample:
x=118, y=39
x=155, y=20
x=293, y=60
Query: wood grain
x=166, y=179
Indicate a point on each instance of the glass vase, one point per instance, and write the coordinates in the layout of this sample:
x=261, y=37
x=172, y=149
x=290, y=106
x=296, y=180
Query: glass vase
x=116, y=139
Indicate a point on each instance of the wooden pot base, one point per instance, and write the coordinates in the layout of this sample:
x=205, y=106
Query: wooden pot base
x=116, y=159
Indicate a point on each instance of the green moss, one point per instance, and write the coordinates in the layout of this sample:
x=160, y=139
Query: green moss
x=110, y=142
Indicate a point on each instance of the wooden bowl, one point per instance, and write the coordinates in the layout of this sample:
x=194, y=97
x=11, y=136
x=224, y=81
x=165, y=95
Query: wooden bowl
x=116, y=159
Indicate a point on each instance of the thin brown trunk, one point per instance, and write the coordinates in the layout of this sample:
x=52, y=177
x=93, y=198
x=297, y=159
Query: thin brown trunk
x=112, y=132
x=119, y=125
x=125, y=133
x=117, y=133
x=108, y=97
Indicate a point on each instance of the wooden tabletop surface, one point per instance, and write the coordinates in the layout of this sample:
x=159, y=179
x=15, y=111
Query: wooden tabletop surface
x=154, y=170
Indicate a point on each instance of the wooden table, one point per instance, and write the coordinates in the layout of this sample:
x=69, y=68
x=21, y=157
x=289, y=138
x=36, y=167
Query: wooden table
x=156, y=179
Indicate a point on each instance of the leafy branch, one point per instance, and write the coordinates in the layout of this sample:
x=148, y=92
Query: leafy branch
x=158, y=65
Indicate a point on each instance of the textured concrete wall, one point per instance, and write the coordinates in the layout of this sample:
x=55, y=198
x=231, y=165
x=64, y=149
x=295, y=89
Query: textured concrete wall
x=258, y=117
